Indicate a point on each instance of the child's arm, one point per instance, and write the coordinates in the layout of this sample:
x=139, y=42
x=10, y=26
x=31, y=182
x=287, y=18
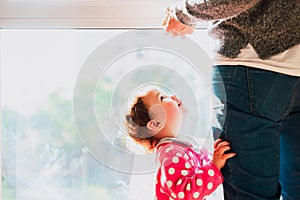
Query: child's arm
x=181, y=21
x=219, y=156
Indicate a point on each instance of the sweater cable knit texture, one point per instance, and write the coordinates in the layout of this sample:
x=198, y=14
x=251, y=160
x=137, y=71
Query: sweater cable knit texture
x=271, y=27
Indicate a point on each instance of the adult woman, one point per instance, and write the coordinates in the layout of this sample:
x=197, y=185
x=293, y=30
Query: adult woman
x=258, y=60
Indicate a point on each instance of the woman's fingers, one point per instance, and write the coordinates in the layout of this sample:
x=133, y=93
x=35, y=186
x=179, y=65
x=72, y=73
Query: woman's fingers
x=168, y=10
x=175, y=27
x=165, y=20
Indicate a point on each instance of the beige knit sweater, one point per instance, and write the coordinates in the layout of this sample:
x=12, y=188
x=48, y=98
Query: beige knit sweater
x=270, y=26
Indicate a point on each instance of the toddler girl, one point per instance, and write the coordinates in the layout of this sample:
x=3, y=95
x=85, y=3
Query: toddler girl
x=153, y=121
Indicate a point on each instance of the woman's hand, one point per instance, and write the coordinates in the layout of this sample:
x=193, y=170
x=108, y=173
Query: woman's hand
x=219, y=155
x=175, y=27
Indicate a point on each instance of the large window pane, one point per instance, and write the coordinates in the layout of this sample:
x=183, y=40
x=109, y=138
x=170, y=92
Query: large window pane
x=43, y=156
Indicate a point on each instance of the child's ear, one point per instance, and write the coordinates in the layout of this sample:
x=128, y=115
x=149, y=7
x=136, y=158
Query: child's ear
x=155, y=125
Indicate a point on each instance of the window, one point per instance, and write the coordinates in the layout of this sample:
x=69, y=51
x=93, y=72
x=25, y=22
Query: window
x=44, y=155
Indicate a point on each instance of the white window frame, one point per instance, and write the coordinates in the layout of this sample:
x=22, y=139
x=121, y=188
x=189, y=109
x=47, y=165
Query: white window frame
x=83, y=13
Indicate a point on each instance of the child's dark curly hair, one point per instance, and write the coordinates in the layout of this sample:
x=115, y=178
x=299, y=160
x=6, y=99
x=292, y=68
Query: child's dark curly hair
x=136, y=124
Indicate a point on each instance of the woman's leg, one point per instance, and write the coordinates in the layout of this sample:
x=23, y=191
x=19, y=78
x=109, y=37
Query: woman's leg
x=255, y=102
x=290, y=154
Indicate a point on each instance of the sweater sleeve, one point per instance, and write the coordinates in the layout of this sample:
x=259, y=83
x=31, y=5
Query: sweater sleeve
x=194, y=10
x=182, y=179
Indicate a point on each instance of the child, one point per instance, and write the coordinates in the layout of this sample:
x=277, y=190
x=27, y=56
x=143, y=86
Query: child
x=153, y=121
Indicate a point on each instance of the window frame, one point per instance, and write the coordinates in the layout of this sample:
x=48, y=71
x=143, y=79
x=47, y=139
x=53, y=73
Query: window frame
x=82, y=14
x=110, y=14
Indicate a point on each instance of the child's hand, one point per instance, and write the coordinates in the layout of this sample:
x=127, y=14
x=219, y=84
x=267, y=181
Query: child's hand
x=175, y=27
x=219, y=155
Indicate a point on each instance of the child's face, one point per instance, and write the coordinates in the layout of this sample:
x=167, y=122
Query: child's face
x=167, y=109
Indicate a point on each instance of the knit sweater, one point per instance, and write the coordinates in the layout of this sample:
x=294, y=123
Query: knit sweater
x=270, y=26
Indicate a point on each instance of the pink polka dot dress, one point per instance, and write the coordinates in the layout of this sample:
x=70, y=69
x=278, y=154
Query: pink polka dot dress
x=184, y=174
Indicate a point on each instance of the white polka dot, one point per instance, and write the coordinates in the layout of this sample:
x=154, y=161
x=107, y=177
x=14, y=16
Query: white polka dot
x=205, y=197
x=171, y=171
x=209, y=186
x=188, y=187
x=173, y=195
x=184, y=172
x=199, y=182
x=169, y=183
x=178, y=154
x=211, y=172
x=169, y=149
x=199, y=171
x=187, y=165
x=175, y=159
x=186, y=156
x=196, y=195
x=180, y=195
x=156, y=181
x=161, y=191
x=170, y=198
x=179, y=182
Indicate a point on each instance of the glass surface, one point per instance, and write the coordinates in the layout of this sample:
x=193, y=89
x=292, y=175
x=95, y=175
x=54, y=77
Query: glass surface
x=43, y=155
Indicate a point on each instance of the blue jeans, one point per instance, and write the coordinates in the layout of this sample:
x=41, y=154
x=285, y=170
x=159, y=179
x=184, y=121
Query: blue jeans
x=262, y=124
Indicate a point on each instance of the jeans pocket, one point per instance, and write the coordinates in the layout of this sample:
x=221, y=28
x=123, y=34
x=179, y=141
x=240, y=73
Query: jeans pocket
x=270, y=93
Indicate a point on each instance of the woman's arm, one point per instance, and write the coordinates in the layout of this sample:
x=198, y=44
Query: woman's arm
x=212, y=9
